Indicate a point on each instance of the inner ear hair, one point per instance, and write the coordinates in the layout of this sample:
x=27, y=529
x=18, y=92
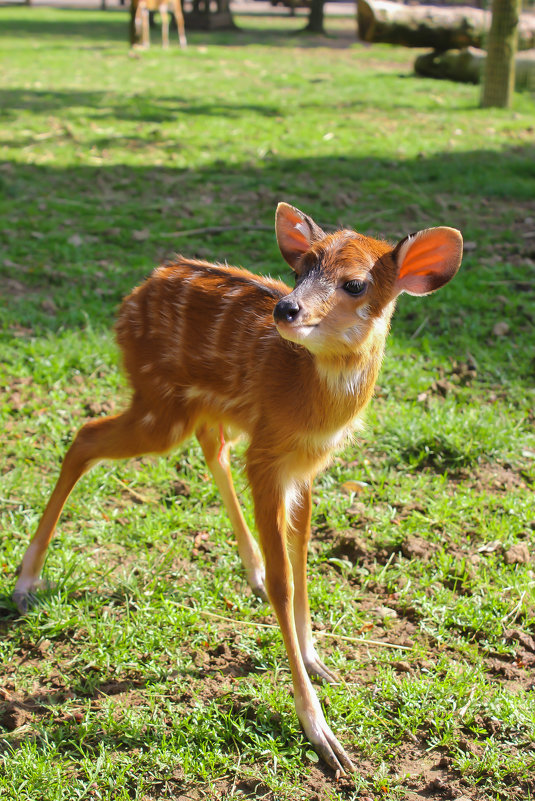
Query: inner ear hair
x=427, y=259
x=296, y=232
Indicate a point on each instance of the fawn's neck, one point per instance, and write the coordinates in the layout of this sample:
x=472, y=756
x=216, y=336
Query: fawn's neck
x=348, y=378
x=333, y=392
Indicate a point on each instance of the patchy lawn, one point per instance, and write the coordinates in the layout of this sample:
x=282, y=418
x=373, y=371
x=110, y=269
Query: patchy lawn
x=150, y=671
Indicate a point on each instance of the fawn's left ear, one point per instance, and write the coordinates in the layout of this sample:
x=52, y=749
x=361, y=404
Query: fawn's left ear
x=427, y=260
x=296, y=232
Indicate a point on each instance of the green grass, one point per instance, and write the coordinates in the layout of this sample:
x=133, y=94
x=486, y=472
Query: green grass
x=118, y=685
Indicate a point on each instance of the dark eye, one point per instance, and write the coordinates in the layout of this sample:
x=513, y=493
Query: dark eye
x=355, y=287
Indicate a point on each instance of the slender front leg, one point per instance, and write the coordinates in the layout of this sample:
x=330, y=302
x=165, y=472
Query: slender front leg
x=179, y=17
x=145, y=32
x=271, y=521
x=299, y=515
x=164, y=15
x=217, y=452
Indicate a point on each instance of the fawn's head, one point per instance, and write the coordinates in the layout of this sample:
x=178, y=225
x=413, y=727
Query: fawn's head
x=347, y=283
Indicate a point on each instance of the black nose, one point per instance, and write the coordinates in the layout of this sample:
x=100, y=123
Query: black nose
x=286, y=311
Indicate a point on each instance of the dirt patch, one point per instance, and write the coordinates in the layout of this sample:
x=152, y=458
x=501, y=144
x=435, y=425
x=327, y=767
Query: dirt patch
x=348, y=545
x=13, y=288
x=15, y=711
x=496, y=477
x=19, y=709
x=417, y=548
x=226, y=659
x=427, y=775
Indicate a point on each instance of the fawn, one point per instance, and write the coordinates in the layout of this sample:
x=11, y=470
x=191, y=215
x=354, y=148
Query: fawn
x=218, y=351
x=142, y=20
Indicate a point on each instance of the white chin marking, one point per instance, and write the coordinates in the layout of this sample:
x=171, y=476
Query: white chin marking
x=295, y=333
x=305, y=330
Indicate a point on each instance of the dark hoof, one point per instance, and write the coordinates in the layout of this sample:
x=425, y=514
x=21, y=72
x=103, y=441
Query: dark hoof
x=260, y=592
x=25, y=600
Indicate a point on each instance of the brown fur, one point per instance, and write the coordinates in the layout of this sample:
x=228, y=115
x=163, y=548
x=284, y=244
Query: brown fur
x=218, y=351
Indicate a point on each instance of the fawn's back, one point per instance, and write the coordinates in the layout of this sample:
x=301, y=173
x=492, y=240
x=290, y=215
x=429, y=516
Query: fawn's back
x=198, y=339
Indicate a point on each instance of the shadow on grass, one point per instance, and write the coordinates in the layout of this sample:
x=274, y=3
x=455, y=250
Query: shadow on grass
x=120, y=107
x=72, y=23
x=77, y=238
x=100, y=105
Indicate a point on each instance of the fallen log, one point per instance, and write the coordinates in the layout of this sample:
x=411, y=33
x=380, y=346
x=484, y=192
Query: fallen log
x=432, y=26
x=467, y=66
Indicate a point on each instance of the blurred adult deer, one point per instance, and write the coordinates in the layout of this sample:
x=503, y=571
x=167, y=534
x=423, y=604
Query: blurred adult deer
x=218, y=351
x=142, y=20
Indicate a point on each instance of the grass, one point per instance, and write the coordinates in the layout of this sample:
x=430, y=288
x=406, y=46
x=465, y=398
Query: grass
x=119, y=685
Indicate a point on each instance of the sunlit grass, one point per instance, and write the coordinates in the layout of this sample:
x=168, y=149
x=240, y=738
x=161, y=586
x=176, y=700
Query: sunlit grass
x=118, y=685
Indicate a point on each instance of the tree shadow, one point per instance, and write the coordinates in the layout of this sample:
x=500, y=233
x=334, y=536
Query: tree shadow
x=79, y=237
x=100, y=104
x=84, y=24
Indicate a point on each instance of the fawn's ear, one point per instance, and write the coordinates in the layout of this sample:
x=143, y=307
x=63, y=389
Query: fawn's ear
x=427, y=260
x=295, y=233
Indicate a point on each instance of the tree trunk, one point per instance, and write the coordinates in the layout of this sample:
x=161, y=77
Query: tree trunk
x=316, y=17
x=432, y=26
x=203, y=18
x=499, y=81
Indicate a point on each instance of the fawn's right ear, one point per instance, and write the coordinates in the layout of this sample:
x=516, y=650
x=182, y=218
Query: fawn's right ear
x=427, y=260
x=295, y=233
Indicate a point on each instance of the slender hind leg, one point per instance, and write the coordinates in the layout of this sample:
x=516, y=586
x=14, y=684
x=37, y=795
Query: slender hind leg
x=117, y=437
x=216, y=453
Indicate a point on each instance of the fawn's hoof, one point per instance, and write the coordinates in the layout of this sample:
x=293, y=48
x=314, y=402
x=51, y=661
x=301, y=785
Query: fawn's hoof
x=317, y=670
x=25, y=598
x=260, y=591
x=23, y=601
x=326, y=745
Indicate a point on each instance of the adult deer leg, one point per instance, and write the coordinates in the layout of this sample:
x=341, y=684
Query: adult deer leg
x=164, y=15
x=179, y=17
